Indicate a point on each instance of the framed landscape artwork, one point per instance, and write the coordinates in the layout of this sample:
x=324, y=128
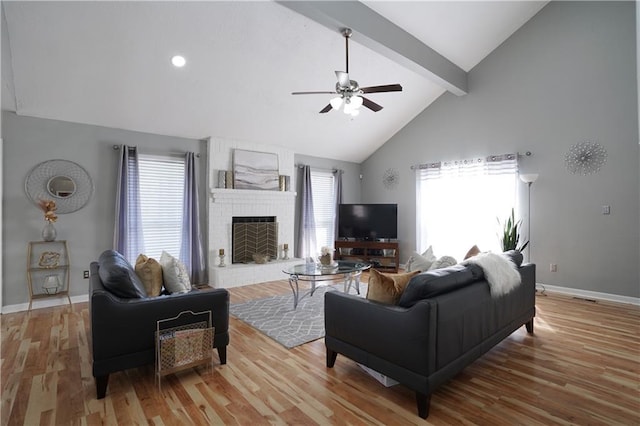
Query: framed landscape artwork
x=255, y=170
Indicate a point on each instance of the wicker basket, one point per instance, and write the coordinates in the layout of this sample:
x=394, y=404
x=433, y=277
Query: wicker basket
x=183, y=346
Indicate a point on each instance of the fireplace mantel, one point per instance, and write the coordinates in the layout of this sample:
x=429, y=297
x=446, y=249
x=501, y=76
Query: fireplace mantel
x=222, y=195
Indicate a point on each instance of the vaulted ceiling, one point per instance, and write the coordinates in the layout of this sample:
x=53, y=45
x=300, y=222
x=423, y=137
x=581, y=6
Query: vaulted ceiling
x=108, y=64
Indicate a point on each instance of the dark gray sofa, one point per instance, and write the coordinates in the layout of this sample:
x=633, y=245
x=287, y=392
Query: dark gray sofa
x=123, y=328
x=447, y=320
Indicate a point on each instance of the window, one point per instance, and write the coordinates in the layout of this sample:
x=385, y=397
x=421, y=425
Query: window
x=459, y=204
x=324, y=207
x=161, y=203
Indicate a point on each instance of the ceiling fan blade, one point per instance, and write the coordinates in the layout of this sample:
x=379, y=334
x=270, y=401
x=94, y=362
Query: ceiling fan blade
x=370, y=104
x=313, y=93
x=384, y=88
x=326, y=109
x=343, y=78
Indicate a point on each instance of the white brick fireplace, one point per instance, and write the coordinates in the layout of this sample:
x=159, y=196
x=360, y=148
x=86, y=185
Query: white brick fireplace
x=224, y=204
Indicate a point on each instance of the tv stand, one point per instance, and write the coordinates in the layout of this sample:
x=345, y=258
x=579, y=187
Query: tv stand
x=383, y=255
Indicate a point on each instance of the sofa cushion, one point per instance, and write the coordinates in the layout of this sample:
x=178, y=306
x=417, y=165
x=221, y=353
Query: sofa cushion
x=439, y=281
x=150, y=273
x=118, y=277
x=387, y=288
x=175, y=274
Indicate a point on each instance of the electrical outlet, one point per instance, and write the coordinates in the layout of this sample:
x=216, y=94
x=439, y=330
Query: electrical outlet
x=606, y=209
x=85, y=275
x=553, y=267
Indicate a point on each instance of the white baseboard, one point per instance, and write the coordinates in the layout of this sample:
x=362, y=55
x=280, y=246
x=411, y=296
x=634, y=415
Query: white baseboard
x=44, y=303
x=587, y=294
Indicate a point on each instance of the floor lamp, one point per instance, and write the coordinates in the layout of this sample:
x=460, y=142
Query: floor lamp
x=529, y=178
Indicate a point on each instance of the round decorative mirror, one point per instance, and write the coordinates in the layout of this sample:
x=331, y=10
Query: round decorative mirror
x=63, y=181
x=61, y=186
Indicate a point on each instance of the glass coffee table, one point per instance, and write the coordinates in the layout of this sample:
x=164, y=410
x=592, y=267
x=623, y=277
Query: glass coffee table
x=313, y=273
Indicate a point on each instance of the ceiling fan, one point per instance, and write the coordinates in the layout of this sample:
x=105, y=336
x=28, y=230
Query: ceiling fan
x=349, y=92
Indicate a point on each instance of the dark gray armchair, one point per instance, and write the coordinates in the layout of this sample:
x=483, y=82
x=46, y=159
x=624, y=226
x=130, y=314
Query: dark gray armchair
x=123, y=329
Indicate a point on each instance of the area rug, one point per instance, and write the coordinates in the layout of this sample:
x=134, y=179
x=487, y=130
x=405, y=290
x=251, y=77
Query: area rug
x=275, y=316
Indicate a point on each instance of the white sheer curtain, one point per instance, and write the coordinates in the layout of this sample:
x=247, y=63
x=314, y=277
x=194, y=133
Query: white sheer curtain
x=459, y=203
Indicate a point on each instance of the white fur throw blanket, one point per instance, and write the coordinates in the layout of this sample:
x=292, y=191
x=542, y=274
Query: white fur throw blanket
x=501, y=273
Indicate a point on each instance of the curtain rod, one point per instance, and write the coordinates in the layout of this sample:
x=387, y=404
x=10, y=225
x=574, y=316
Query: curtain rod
x=117, y=148
x=301, y=166
x=427, y=165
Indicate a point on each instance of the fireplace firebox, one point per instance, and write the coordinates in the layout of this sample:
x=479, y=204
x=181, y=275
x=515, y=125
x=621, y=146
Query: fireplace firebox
x=253, y=235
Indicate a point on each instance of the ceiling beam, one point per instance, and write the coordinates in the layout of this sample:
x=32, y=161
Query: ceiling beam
x=383, y=36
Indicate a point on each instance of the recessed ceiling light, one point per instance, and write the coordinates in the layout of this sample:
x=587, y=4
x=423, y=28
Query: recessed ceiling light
x=178, y=61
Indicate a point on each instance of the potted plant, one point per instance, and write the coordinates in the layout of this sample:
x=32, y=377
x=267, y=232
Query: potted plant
x=510, y=235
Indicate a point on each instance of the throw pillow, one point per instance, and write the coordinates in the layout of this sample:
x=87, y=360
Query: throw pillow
x=420, y=262
x=118, y=277
x=443, y=262
x=472, y=252
x=387, y=288
x=150, y=273
x=176, y=277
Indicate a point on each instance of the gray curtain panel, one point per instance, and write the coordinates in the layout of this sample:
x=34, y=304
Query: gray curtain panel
x=191, y=250
x=306, y=247
x=127, y=236
x=337, y=182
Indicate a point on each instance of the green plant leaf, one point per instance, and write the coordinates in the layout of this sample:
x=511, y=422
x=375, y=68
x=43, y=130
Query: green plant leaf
x=510, y=236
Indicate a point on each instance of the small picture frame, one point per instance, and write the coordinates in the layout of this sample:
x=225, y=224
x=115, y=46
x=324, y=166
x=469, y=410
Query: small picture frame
x=49, y=259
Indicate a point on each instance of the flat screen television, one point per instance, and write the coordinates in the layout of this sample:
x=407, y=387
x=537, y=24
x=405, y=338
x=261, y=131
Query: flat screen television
x=368, y=221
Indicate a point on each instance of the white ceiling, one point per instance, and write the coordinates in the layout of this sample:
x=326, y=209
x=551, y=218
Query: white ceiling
x=108, y=64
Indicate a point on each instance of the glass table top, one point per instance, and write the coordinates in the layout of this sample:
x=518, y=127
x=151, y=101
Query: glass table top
x=316, y=269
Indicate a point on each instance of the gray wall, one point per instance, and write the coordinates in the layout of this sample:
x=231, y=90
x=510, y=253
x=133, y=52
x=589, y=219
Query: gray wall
x=350, y=180
x=568, y=75
x=29, y=141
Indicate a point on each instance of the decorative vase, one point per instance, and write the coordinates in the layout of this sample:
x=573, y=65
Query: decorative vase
x=49, y=232
x=325, y=259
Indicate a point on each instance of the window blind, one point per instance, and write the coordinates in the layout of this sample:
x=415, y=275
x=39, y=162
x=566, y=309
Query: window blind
x=161, y=203
x=323, y=207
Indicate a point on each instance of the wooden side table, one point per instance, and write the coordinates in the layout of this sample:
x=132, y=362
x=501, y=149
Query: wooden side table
x=48, y=270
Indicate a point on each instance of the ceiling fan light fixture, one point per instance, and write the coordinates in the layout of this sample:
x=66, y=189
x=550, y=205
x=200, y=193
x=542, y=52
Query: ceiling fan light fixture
x=349, y=107
x=355, y=112
x=336, y=102
x=349, y=91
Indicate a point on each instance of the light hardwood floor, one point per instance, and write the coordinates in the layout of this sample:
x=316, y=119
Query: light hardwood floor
x=582, y=366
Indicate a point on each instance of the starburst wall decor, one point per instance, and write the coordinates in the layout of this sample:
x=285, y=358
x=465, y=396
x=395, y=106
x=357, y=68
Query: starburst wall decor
x=390, y=178
x=585, y=158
